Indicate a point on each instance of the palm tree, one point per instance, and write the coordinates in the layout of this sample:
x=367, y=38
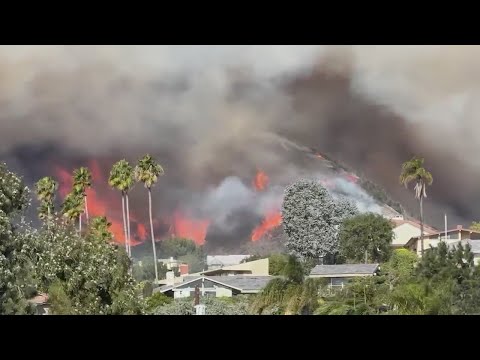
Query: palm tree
x=148, y=171
x=121, y=178
x=100, y=228
x=73, y=208
x=45, y=189
x=82, y=180
x=413, y=170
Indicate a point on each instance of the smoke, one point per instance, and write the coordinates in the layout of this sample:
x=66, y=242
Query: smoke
x=212, y=115
x=364, y=202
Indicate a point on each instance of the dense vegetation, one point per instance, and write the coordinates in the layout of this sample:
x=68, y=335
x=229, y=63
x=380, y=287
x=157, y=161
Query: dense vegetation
x=83, y=272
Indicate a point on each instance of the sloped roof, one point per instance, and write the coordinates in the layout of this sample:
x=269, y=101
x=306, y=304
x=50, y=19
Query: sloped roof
x=225, y=260
x=244, y=283
x=344, y=269
x=426, y=228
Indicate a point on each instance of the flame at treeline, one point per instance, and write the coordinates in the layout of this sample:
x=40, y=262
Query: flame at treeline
x=273, y=218
x=104, y=201
x=189, y=228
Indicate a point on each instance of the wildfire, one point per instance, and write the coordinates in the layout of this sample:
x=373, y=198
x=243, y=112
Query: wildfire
x=271, y=221
x=260, y=181
x=184, y=227
x=142, y=233
x=100, y=206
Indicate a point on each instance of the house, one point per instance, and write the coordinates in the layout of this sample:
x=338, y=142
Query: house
x=450, y=237
x=40, y=302
x=404, y=230
x=219, y=261
x=339, y=275
x=216, y=286
x=256, y=267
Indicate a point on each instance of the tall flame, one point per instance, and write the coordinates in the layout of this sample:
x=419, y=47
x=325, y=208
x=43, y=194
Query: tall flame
x=260, y=181
x=271, y=221
x=273, y=218
x=194, y=229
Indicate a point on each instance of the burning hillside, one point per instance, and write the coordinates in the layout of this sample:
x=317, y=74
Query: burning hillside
x=226, y=214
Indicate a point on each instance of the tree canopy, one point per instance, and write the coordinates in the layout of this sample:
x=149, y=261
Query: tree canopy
x=366, y=238
x=312, y=218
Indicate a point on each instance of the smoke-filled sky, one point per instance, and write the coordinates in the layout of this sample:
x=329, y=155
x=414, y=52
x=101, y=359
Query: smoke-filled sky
x=210, y=114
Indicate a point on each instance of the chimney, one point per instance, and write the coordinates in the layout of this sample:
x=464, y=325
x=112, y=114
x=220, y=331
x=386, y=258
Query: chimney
x=183, y=269
x=459, y=227
x=170, y=278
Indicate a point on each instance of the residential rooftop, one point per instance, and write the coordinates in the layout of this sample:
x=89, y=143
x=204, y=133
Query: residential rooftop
x=344, y=270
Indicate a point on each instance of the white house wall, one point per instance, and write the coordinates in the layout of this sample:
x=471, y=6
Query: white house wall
x=403, y=233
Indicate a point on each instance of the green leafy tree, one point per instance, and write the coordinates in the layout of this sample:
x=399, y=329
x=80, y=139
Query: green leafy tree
x=175, y=247
x=148, y=171
x=400, y=267
x=82, y=180
x=45, y=189
x=311, y=219
x=276, y=264
x=413, y=170
x=89, y=275
x=15, y=266
x=122, y=178
x=155, y=301
x=145, y=270
x=289, y=294
x=366, y=237
x=475, y=226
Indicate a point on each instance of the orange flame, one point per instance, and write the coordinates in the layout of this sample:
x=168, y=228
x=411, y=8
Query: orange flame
x=194, y=229
x=260, y=181
x=271, y=221
x=142, y=233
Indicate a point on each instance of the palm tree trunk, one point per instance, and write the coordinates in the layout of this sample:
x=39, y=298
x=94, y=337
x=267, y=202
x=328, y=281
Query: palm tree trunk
x=128, y=227
x=48, y=216
x=421, y=223
x=151, y=232
x=86, y=207
x=124, y=222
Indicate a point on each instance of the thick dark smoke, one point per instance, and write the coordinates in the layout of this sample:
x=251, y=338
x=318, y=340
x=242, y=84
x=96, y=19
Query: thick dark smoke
x=214, y=115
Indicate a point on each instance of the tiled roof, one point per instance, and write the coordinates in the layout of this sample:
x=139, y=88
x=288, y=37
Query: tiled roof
x=359, y=269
